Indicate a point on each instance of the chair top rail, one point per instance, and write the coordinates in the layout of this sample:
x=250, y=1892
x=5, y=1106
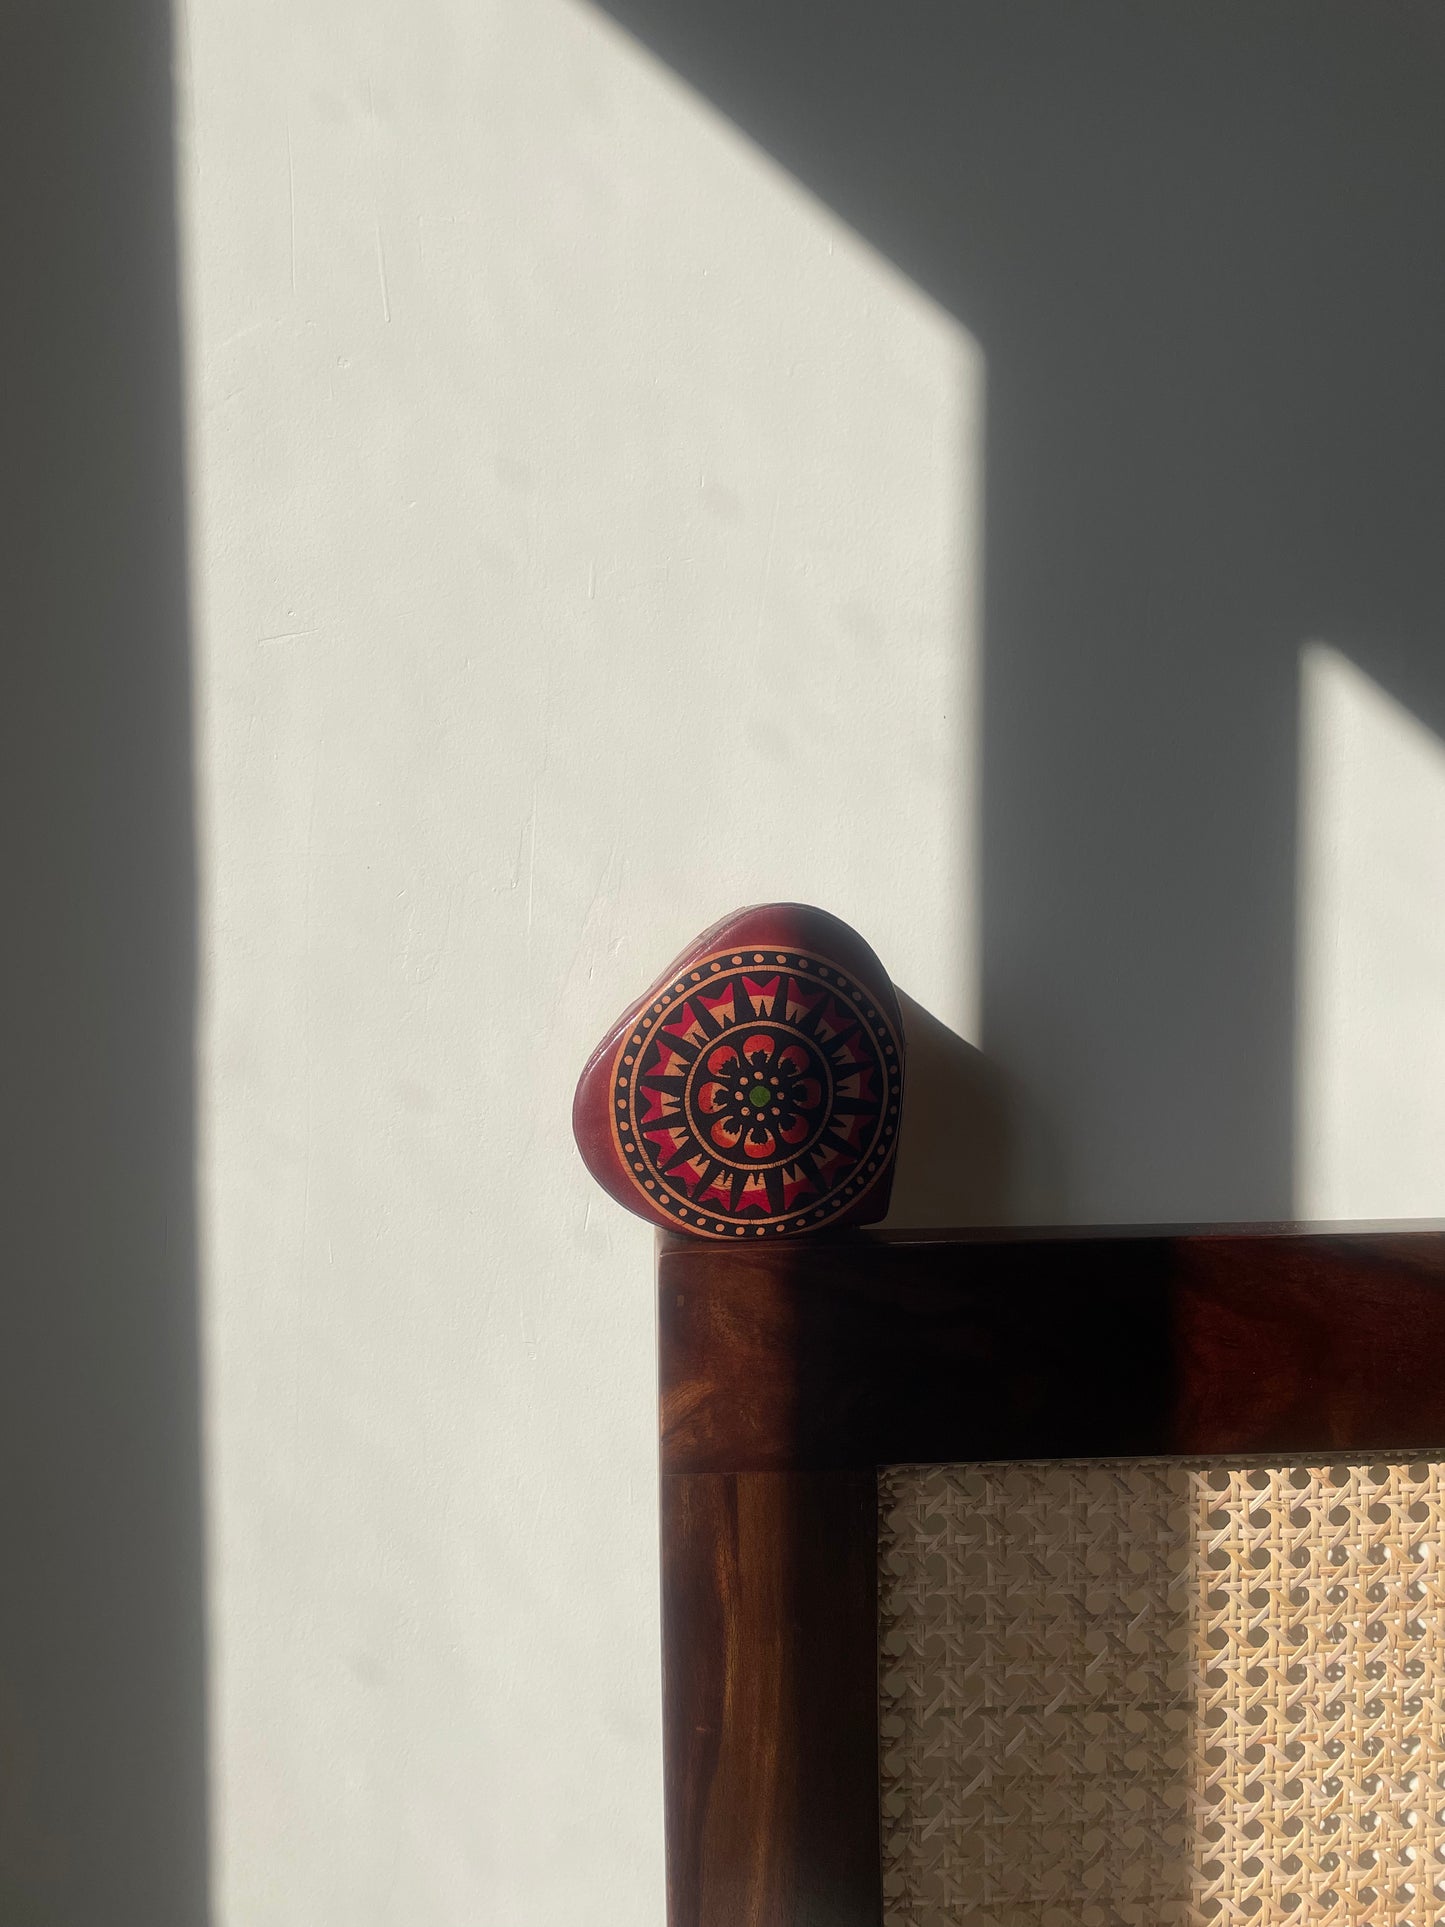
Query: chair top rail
x=892, y=1347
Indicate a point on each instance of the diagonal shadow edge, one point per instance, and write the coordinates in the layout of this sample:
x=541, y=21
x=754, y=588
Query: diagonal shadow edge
x=1193, y=250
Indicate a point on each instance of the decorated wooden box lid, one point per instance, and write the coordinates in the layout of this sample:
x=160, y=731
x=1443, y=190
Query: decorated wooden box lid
x=756, y=1089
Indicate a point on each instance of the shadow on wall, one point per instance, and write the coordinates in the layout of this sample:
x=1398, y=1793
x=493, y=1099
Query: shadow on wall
x=102, y=1689
x=952, y=1166
x=1199, y=245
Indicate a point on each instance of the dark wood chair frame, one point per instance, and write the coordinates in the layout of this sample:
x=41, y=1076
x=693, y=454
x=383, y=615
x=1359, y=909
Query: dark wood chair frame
x=789, y=1372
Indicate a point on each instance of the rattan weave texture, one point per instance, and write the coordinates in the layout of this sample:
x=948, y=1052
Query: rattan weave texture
x=1135, y=1694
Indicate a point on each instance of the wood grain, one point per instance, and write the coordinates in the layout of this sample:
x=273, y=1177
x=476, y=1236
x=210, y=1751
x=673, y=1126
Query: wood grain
x=876, y=1349
x=789, y=1372
x=769, y=1699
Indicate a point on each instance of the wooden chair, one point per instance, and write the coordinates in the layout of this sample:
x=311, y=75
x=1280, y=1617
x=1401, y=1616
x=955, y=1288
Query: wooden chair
x=790, y=1373
x=1156, y=1646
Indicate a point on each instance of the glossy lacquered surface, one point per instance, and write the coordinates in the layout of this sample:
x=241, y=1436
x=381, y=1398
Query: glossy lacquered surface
x=755, y=1091
x=884, y=1347
x=770, y=1719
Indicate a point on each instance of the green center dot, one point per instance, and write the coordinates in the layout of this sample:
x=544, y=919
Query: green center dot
x=760, y=1095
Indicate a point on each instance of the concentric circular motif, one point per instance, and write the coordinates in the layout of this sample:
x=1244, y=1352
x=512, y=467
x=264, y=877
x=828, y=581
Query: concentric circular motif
x=758, y=1094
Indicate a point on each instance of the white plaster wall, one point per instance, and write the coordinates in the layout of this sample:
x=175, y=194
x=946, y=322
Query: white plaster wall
x=583, y=545
x=1371, y=1047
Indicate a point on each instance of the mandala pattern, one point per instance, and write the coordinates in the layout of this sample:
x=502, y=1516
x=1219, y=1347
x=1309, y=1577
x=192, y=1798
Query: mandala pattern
x=758, y=1094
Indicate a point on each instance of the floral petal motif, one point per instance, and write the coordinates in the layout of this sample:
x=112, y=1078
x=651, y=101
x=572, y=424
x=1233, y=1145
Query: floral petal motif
x=711, y=1105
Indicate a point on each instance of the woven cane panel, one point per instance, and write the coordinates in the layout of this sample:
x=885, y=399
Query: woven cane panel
x=1143, y=1693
